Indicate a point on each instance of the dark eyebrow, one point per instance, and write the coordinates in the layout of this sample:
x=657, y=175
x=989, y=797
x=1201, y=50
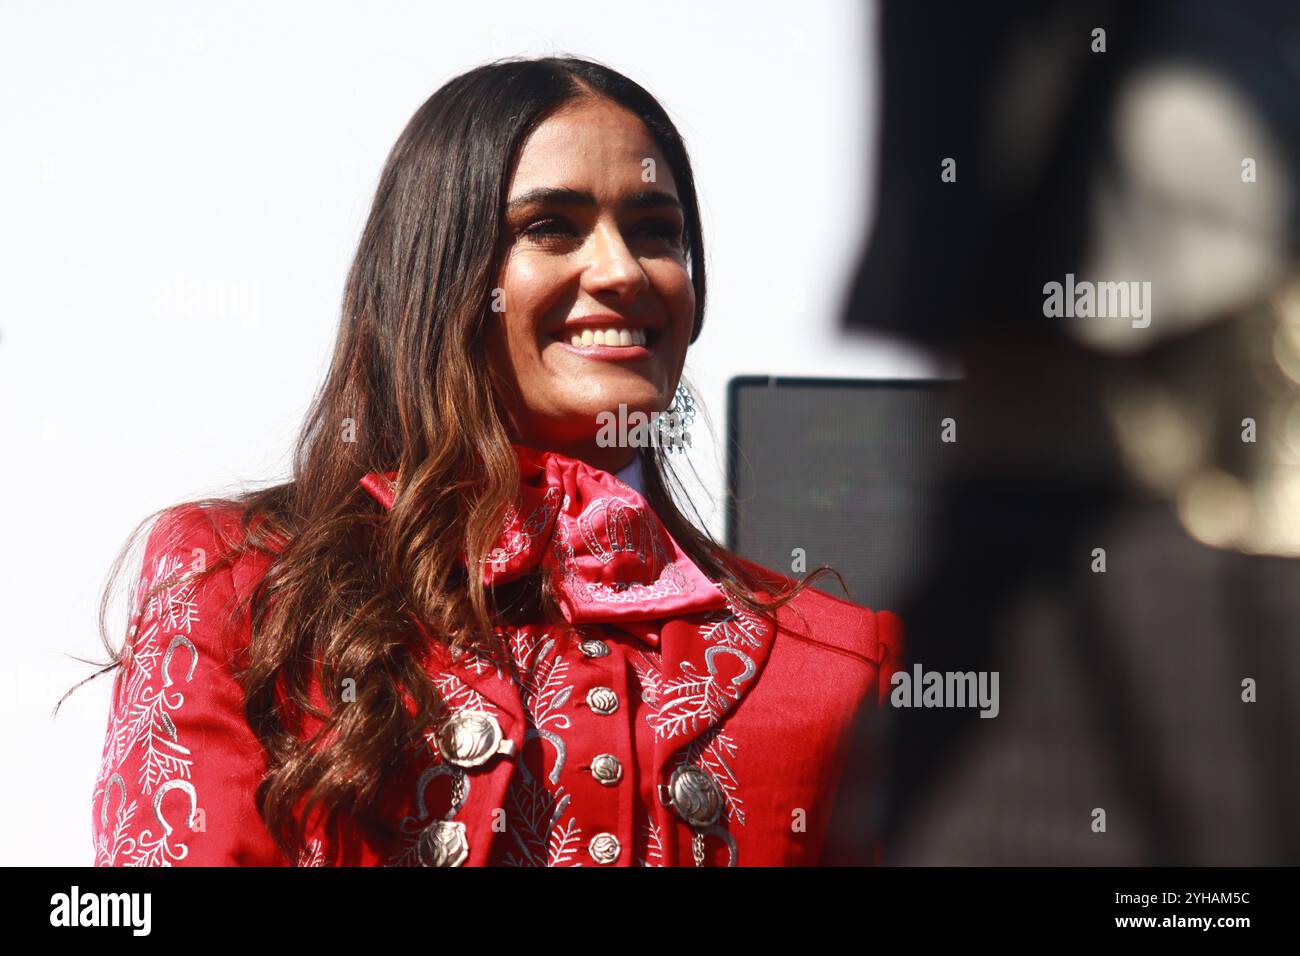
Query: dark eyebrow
x=547, y=195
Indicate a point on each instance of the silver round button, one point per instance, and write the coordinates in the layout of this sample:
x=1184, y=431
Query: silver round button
x=471, y=738
x=606, y=769
x=444, y=844
x=695, y=796
x=591, y=647
x=602, y=700
x=604, y=848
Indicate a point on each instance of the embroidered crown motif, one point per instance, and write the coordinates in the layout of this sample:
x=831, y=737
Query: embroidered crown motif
x=611, y=525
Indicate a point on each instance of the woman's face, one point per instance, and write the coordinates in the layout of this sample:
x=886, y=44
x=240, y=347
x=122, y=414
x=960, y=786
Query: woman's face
x=593, y=253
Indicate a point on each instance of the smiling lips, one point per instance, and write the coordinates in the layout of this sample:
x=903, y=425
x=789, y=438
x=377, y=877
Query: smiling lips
x=611, y=337
x=608, y=343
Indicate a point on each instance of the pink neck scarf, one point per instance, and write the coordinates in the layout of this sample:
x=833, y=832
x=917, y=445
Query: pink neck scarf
x=607, y=554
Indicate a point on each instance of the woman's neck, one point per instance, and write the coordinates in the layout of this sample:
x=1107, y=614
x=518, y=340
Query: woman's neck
x=612, y=460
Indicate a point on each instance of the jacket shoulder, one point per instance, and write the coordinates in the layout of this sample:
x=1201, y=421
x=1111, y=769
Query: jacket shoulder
x=209, y=533
x=873, y=634
x=183, y=543
x=180, y=763
x=829, y=611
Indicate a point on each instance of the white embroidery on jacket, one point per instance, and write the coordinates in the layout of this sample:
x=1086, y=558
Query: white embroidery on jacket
x=647, y=666
x=533, y=821
x=712, y=752
x=681, y=703
x=542, y=830
x=698, y=697
x=458, y=696
x=314, y=855
x=654, y=845
x=534, y=812
x=145, y=697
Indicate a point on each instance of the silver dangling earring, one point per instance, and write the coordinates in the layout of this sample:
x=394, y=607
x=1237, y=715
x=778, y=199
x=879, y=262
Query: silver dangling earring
x=674, y=423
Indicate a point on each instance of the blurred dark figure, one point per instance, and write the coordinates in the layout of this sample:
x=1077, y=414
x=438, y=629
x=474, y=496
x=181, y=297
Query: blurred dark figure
x=1164, y=151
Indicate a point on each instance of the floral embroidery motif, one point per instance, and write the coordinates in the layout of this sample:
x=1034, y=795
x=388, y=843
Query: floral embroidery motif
x=314, y=855
x=712, y=752
x=534, y=813
x=697, y=697
x=648, y=666
x=146, y=696
x=654, y=845
x=681, y=703
x=459, y=696
x=542, y=693
x=533, y=821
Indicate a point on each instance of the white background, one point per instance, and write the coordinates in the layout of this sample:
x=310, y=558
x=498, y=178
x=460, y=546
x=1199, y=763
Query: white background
x=182, y=186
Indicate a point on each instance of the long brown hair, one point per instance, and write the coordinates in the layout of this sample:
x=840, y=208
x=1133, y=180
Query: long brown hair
x=405, y=393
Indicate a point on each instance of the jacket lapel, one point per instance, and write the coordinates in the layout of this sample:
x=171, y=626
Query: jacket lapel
x=472, y=683
x=709, y=664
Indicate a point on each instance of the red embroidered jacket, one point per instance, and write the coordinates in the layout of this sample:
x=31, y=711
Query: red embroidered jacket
x=660, y=725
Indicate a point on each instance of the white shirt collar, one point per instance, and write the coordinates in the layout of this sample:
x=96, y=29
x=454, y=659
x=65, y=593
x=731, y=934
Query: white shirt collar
x=631, y=475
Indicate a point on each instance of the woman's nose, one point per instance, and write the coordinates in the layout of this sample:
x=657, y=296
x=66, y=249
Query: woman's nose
x=612, y=269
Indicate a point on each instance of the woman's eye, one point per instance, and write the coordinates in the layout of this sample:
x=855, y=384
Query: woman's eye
x=663, y=229
x=549, y=228
x=552, y=229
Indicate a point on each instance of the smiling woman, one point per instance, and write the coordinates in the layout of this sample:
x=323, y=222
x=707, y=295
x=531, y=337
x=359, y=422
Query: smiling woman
x=467, y=631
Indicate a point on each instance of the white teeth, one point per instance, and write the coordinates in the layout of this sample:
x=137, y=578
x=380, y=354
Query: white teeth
x=615, y=337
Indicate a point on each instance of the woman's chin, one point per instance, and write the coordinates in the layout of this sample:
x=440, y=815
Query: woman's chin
x=622, y=406
x=585, y=424
x=638, y=396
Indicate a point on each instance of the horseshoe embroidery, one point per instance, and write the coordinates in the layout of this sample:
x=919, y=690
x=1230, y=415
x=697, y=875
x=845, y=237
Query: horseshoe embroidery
x=180, y=640
x=745, y=659
x=159, y=851
x=108, y=790
x=142, y=724
x=185, y=787
x=422, y=787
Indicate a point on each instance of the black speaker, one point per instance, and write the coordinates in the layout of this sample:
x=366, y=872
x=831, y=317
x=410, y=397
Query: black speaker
x=838, y=472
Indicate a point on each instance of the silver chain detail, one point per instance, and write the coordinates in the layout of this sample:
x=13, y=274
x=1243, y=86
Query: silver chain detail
x=457, y=793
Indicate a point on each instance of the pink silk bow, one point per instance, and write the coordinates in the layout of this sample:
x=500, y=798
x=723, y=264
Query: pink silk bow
x=608, y=555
